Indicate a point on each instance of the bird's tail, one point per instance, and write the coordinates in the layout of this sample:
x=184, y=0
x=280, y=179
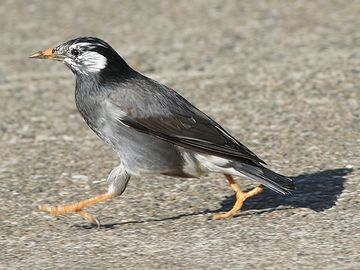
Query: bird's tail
x=267, y=177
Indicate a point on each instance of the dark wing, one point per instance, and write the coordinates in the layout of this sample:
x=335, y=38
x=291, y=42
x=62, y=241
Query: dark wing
x=165, y=114
x=197, y=134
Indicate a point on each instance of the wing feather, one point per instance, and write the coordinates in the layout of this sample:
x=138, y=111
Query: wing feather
x=167, y=115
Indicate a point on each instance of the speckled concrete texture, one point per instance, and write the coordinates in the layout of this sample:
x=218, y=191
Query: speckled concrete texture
x=282, y=76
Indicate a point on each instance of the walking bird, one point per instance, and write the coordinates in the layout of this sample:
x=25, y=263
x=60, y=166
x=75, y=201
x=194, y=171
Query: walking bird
x=152, y=128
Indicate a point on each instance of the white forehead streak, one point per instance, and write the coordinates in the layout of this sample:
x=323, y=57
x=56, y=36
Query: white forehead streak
x=92, y=61
x=90, y=44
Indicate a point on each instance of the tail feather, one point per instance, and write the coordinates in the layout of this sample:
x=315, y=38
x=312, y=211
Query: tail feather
x=267, y=177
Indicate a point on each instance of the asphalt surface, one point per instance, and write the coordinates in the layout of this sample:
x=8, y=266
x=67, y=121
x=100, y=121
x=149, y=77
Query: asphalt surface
x=282, y=76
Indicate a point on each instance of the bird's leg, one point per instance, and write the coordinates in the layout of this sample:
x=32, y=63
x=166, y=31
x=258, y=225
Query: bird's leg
x=241, y=197
x=62, y=210
x=117, y=180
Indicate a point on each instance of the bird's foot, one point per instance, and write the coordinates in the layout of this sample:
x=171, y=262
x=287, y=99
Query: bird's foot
x=241, y=197
x=62, y=210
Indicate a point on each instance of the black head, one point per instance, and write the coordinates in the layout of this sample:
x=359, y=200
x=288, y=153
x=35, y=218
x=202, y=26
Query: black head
x=86, y=56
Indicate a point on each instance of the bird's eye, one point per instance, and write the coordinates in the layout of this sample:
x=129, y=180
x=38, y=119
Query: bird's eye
x=75, y=52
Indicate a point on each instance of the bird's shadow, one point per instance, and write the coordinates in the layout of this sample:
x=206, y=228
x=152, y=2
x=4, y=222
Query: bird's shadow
x=317, y=191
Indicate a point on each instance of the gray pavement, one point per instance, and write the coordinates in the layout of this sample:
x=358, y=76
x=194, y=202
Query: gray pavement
x=282, y=76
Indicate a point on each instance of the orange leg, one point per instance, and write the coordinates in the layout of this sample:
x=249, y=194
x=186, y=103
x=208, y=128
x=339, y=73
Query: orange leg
x=241, y=197
x=62, y=210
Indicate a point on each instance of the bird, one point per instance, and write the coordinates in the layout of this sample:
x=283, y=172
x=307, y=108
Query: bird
x=152, y=128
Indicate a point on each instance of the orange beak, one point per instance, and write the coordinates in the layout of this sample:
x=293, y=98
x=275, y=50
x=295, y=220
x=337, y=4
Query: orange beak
x=47, y=54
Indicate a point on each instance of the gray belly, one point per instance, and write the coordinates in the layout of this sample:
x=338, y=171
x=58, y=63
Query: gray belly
x=141, y=153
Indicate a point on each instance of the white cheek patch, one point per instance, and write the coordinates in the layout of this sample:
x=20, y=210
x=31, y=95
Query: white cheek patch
x=87, y=62
x=92, y=62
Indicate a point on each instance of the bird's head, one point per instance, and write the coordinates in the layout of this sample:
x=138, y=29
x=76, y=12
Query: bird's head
x=84, y=55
